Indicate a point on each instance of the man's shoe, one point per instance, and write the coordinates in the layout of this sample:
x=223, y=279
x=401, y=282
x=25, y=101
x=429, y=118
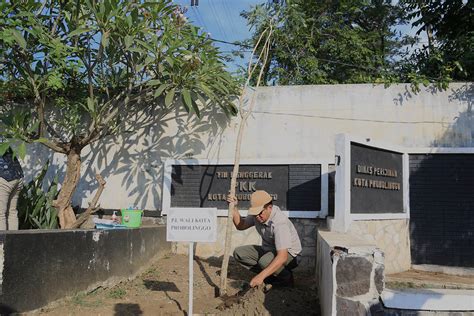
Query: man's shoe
x=270, y=279
x=284, y=281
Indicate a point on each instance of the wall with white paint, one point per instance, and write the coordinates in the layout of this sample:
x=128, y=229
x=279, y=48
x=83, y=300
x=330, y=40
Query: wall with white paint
x=289, y=123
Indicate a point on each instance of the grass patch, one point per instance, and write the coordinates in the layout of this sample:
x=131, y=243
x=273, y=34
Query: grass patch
x=152, y=272
x=117, y=293
x=86, y=300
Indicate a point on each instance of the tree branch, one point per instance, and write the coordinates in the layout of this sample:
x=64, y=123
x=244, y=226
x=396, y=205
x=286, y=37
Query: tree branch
x=55, y=147
x=115, y=104
x=41, y=9
x=89, y=69
x=40, y=105
x=92, y=205
x=98, y=57
x=56, y=22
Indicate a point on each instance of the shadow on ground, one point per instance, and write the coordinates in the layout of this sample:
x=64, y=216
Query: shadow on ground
x=122, y=309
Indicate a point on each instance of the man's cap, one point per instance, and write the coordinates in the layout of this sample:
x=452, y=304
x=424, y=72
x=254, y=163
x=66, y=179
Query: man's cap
x=258, y=199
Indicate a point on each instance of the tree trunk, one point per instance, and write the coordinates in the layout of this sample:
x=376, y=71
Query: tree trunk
x=230, y=221
x=93, y=207
x=263, y=58
x=429, y=34
x=422, y=4
x=68, y=187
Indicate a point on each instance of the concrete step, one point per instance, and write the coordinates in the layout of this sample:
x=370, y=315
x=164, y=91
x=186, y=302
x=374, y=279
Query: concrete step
x=435, y=301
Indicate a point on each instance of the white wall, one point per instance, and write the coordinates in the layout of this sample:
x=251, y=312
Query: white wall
x=289, y=123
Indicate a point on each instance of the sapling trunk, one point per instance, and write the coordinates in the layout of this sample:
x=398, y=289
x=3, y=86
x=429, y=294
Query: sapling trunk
x=262, y=58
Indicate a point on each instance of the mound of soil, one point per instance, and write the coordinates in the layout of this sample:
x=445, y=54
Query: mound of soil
x=163, y=290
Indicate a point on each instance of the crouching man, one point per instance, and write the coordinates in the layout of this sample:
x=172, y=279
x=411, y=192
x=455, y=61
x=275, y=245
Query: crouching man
x=279, y=253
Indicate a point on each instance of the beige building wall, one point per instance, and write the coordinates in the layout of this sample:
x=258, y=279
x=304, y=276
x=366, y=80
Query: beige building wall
x=289, y=123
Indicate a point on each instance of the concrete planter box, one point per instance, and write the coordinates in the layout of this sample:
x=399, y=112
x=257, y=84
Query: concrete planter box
x=41, y=266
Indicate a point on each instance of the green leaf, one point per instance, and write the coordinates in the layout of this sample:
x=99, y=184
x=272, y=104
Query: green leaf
x=196, y=109
x=187, y=99
x=136, y=50
x=22, y=150
x=153, y=82
x=149, y=59
x=170, y=60
x=3, y=148
x=206, y=89
x=128, y=41
x=169, y=97
x=90, y=105
x=79, y=31
x=160, y=90
x=39, y=205
x=458, y=65
x=145, y=45
x=19, y=38
x=38, y=224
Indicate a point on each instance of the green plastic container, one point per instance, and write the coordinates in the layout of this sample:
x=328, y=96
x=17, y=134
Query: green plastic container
x=131, y=218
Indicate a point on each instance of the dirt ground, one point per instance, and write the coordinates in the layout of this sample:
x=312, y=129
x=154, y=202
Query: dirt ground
x=163, y=290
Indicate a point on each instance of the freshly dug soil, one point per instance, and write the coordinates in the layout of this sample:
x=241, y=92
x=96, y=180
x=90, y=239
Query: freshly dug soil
x=265, y=300
x=163, y=290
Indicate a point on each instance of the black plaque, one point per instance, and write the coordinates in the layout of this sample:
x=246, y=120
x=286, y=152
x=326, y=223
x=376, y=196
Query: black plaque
x=376, y=180
x=293, y=187
x=442, y=209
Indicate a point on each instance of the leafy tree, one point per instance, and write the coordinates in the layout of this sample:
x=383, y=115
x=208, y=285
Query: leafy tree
x=326, y=42
x=321, y=42
x=74, y=72
x=449, y=28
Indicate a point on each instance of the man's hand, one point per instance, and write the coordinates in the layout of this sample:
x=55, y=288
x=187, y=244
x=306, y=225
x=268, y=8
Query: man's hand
x=277, y=262
x=238, y=222
x=232, y=199
x=257, y=280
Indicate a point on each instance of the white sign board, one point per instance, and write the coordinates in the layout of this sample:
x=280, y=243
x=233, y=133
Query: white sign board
x=196, y=225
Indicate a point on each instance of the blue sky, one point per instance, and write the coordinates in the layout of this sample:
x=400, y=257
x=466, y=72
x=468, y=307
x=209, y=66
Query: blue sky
x=221, y=18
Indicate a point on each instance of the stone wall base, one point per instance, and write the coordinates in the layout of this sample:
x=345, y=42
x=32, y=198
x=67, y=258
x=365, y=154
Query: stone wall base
x=350, y=275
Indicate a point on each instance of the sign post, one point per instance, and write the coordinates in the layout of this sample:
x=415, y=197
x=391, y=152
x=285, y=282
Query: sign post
x=191, y=277
x=193, y=225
